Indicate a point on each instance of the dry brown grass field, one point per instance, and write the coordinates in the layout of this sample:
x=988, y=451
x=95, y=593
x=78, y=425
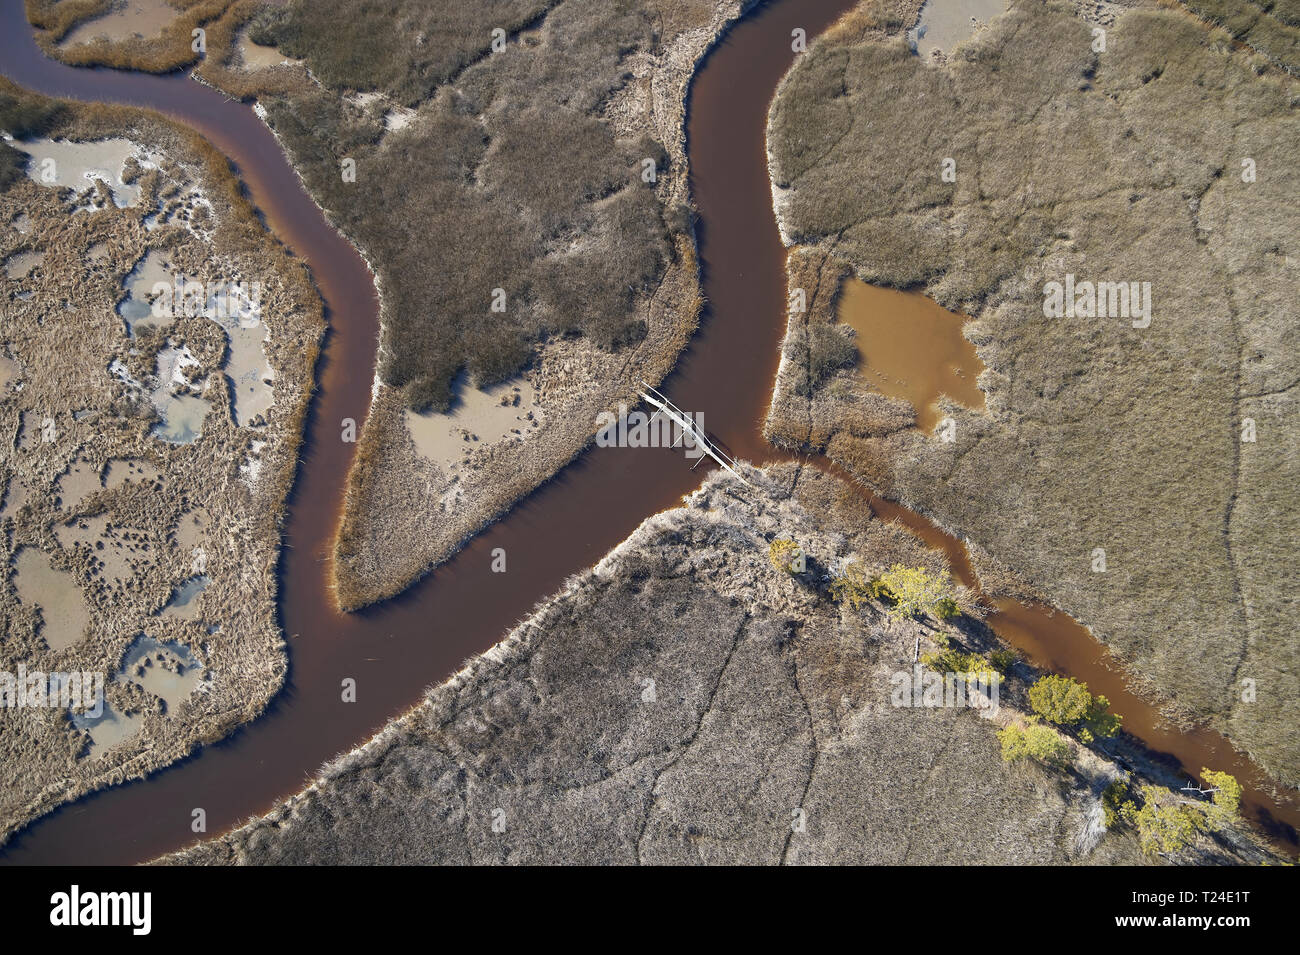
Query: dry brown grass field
x=686, y=702
x=1169, y=158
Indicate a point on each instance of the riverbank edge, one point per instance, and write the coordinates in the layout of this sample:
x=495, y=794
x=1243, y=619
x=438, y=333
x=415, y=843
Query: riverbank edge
x=96, y=120
x=368, y=567
x=783, y=429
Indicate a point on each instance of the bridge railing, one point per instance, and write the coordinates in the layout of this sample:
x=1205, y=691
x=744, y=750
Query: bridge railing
x=662, y=405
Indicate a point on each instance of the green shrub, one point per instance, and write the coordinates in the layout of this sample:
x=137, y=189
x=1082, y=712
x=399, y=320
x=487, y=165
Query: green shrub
x=1060, y=700
x=1067, y=702
x=1225, y=802
x=916, y=592
x=1003, y=660
x=1164, y=822
x=1112, y=802
x=854, y=587
x=1098, y=721
x=1034, y=741
x=786, y=555
x=945, y=608
x=959, y=661
x=1167, y=821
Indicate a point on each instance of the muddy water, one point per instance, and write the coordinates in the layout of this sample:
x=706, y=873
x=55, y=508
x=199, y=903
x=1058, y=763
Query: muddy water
x=910, y=347
x=64, y=614
x=136, y=18
x=395, y=650
x=1056, y=642
x=78, y=165
x=476, y=415
x=943, y=24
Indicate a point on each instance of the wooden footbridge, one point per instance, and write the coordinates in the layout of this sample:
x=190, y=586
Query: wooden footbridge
x=687, y=425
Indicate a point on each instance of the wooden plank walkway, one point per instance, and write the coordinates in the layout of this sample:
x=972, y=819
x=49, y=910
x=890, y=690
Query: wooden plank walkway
x=688, y=426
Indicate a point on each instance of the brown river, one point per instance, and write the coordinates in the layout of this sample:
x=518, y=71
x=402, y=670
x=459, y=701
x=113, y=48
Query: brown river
x=399, y=648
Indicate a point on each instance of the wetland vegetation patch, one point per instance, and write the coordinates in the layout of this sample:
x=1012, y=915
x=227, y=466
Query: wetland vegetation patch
x=122, y=492
x=1133, y=469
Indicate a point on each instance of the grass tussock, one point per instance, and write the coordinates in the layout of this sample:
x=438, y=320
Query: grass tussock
x=1271, y=27
x=22, y=115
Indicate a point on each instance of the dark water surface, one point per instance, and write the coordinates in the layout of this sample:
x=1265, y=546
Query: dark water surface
x=396, y=650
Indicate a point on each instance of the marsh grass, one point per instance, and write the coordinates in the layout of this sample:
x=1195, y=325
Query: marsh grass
x=766, y=696
x=509, y=181
x=404, y=49
x=65, y=372
x=1096, y=434
x=1272, y=27
x=21, y=115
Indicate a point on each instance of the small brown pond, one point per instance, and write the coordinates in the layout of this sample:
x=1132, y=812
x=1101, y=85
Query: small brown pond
x=911, y=348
